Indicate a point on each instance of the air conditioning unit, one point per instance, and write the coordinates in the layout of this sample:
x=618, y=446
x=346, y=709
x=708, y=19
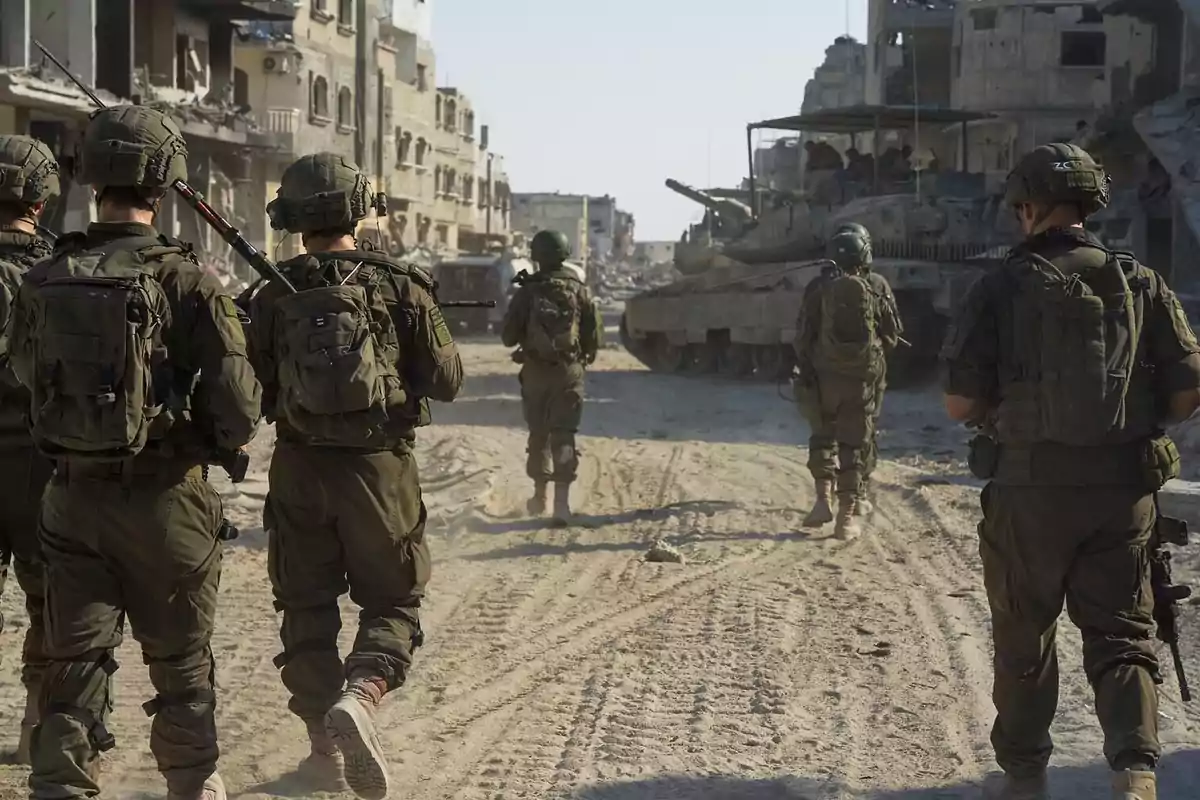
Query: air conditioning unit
x=279, y=64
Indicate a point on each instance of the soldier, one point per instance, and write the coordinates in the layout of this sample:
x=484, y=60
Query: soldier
x=848, y=324
x=137, y=368
x=347, y=364
x=1072, y=359
x=28, y=179
x=554, y=321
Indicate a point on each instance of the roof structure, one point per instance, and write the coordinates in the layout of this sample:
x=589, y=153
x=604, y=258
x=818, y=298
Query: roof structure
x=860, y=119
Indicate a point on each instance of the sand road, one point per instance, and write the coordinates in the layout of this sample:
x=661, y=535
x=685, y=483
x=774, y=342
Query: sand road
x=773, y=664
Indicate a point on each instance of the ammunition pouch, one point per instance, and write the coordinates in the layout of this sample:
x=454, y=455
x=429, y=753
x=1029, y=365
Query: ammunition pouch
x=983, y=457
x=1160, y=462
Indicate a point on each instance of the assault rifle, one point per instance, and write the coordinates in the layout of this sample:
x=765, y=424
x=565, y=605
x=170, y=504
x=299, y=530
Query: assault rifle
x=222, y=226
x=1167, y=594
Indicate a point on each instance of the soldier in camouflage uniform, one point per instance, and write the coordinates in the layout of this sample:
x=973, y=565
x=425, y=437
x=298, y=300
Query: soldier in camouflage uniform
x=28, y=179
x=129, y=524
x=840, y=385
x=347, y=365
x=554, y=320
x=1071, y=359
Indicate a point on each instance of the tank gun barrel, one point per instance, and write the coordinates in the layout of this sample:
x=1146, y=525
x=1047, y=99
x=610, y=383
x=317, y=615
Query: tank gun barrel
x=734, y=210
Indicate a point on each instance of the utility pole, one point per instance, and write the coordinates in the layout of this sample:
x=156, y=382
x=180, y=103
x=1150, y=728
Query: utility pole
x=487, y=206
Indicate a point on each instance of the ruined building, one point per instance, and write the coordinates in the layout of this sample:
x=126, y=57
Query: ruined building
x=594, y=224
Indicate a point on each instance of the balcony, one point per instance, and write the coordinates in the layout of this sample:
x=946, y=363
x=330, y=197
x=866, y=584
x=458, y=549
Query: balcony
x=242, y=10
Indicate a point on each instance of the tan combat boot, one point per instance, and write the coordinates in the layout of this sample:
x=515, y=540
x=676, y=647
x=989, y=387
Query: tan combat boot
x=28, y=723
x=536, y=505
x=562, y=505
x=822, y=511
x=848, y=526
x=213, y=789
x=1134, y=785
x=323, y=768
x=999, y=786
x=351, y=726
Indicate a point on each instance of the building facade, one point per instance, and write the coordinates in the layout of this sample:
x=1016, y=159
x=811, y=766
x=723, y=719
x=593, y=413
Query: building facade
x=595, y=226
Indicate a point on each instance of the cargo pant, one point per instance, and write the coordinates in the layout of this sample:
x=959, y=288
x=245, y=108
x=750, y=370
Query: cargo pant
x=1041, y=545
x=552, y=400
x=841, y=446
x=23, y=474
x=144, y=546
x=344, y=521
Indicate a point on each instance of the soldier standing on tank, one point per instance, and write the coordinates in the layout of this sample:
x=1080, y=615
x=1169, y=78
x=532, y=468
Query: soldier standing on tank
x=344, y=512
x=28, y=180
x=1072, y=359
x=841, y=375
x=555, y=322
x=129, y=525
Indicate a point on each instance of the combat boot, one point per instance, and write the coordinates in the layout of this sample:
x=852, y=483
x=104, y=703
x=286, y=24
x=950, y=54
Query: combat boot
x=999, y=786
x=822, y=511
x=848, y=526
x=323, y=768
x=351, y=726
x=28, y=723
x=213, y=789
x=1134, y=785
x=536, y=505
x=562, y=505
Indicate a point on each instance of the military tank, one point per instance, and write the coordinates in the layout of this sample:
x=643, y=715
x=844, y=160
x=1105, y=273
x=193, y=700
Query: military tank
x=735, y=310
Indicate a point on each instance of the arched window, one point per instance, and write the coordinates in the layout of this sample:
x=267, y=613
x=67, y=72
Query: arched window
x=422, y=149
x=320, y=96
x=451, y=115
x=404, y=147
x=345, y=108
x=437, y=180
x=437, y=110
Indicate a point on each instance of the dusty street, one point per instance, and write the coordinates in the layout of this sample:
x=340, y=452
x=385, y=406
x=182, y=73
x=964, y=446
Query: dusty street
x=559, y=664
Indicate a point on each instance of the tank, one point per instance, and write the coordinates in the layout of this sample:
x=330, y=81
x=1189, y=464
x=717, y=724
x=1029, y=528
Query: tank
x=734, y=312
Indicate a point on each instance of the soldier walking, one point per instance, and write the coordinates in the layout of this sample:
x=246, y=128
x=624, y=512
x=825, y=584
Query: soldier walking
x=848, y=324
x=1072, y=359
x=28, y=180
x=554, y=321
x=347, y=364
x=137, y=368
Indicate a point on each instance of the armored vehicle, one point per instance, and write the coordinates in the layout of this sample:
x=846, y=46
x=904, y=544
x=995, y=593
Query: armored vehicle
x=479, y=276
x=745, y=266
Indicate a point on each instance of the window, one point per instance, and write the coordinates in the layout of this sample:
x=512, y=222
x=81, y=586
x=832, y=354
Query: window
x=345, y=108
x=320, y=96
x=422, y=81
x=451, y=115
x=403, y=146
x=437, y=180
x=319, y=5
x=346, y=13
x=1083, y=49
x=984, y=19
x=437, y=111
x=241, y=87
x=468, y=190
x=443, y=235
x=422, y=149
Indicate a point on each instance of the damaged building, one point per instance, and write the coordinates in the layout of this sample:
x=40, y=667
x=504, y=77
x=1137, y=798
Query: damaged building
x=175, y=54
x=595, y=226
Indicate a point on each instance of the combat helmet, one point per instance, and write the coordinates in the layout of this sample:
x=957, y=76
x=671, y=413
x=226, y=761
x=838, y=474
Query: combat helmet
x=549, y=248
x=1059, y=174
x=322, y=192
x=132, y=146
x=850, y=246
x=28, y=171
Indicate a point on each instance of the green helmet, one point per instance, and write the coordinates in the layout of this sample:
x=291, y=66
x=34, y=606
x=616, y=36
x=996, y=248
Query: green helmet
x=28, y=171
x=550, y=247
x=322, y=192
x=850, y=246
x=132, y=146
x=1058, y=174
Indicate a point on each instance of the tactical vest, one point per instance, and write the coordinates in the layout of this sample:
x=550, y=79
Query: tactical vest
x=555, y=313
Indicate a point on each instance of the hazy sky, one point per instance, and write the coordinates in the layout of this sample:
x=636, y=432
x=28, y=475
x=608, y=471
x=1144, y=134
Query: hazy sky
x=615, y=96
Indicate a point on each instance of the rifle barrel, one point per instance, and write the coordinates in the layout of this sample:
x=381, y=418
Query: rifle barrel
x=467, y=304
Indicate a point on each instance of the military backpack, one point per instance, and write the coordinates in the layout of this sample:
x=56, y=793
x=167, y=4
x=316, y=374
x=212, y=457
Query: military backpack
x=552, y=333
x=847, y=343
x=100, y=377
x=1077, y=341
x=337, y=352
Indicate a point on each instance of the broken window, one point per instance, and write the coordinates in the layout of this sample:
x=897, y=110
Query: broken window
x=983, y=19
x=241, y=87
x=346, y=12
x=1083, y=49
x=345, y=108
x=320, y=96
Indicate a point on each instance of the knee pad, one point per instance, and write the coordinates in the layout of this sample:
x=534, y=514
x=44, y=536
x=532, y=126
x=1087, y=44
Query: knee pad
x=198, y=696
x=80, y=689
